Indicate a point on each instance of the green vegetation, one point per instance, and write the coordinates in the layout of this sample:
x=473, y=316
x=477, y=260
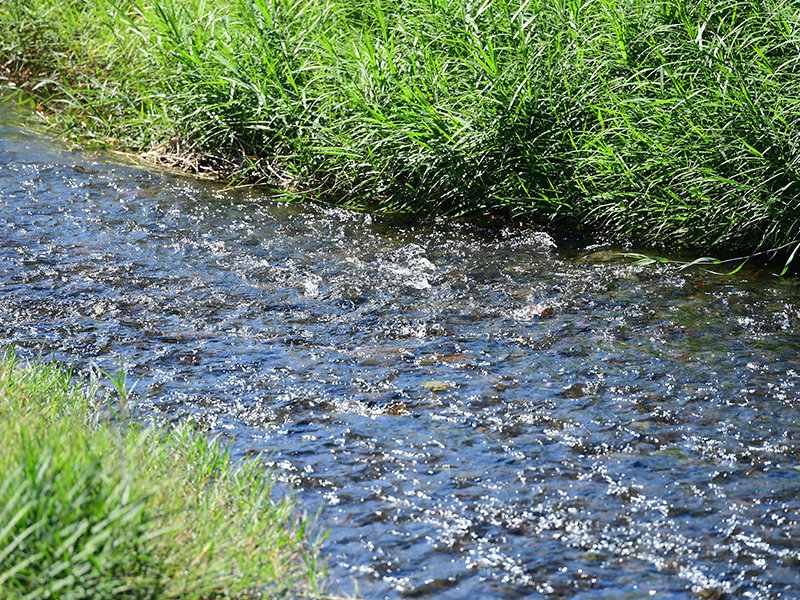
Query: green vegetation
x=92, y=508
x=669, y=121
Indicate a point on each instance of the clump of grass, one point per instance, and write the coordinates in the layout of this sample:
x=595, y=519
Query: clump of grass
x=89, y=509
x=670, y=121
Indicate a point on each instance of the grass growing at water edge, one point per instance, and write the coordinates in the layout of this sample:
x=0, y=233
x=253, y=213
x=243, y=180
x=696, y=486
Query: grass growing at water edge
x=97, y=509
x=675, y=122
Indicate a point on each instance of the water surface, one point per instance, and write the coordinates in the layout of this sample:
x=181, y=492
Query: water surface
x=475, y=412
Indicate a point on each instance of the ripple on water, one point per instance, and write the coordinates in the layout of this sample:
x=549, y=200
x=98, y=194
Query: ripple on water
x=474, y=411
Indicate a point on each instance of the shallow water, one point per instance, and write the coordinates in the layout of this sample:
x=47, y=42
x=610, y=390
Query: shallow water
x=475, y=412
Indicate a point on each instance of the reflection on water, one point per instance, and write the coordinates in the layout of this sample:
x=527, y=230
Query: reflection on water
x=475, y=412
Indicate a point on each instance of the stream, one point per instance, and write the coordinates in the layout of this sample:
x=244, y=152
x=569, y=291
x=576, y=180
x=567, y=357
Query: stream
x=474, y=412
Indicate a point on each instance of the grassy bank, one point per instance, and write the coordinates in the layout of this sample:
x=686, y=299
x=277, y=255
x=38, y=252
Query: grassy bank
x=669, y=121
x=93, y=509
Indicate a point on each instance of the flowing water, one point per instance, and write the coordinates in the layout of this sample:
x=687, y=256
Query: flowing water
x=475, y=412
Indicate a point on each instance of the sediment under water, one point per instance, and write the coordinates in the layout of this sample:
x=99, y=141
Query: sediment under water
x=475, y=412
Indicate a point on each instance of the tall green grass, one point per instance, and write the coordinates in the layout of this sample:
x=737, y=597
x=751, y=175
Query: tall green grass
x=92, y=508
x=670, y=121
